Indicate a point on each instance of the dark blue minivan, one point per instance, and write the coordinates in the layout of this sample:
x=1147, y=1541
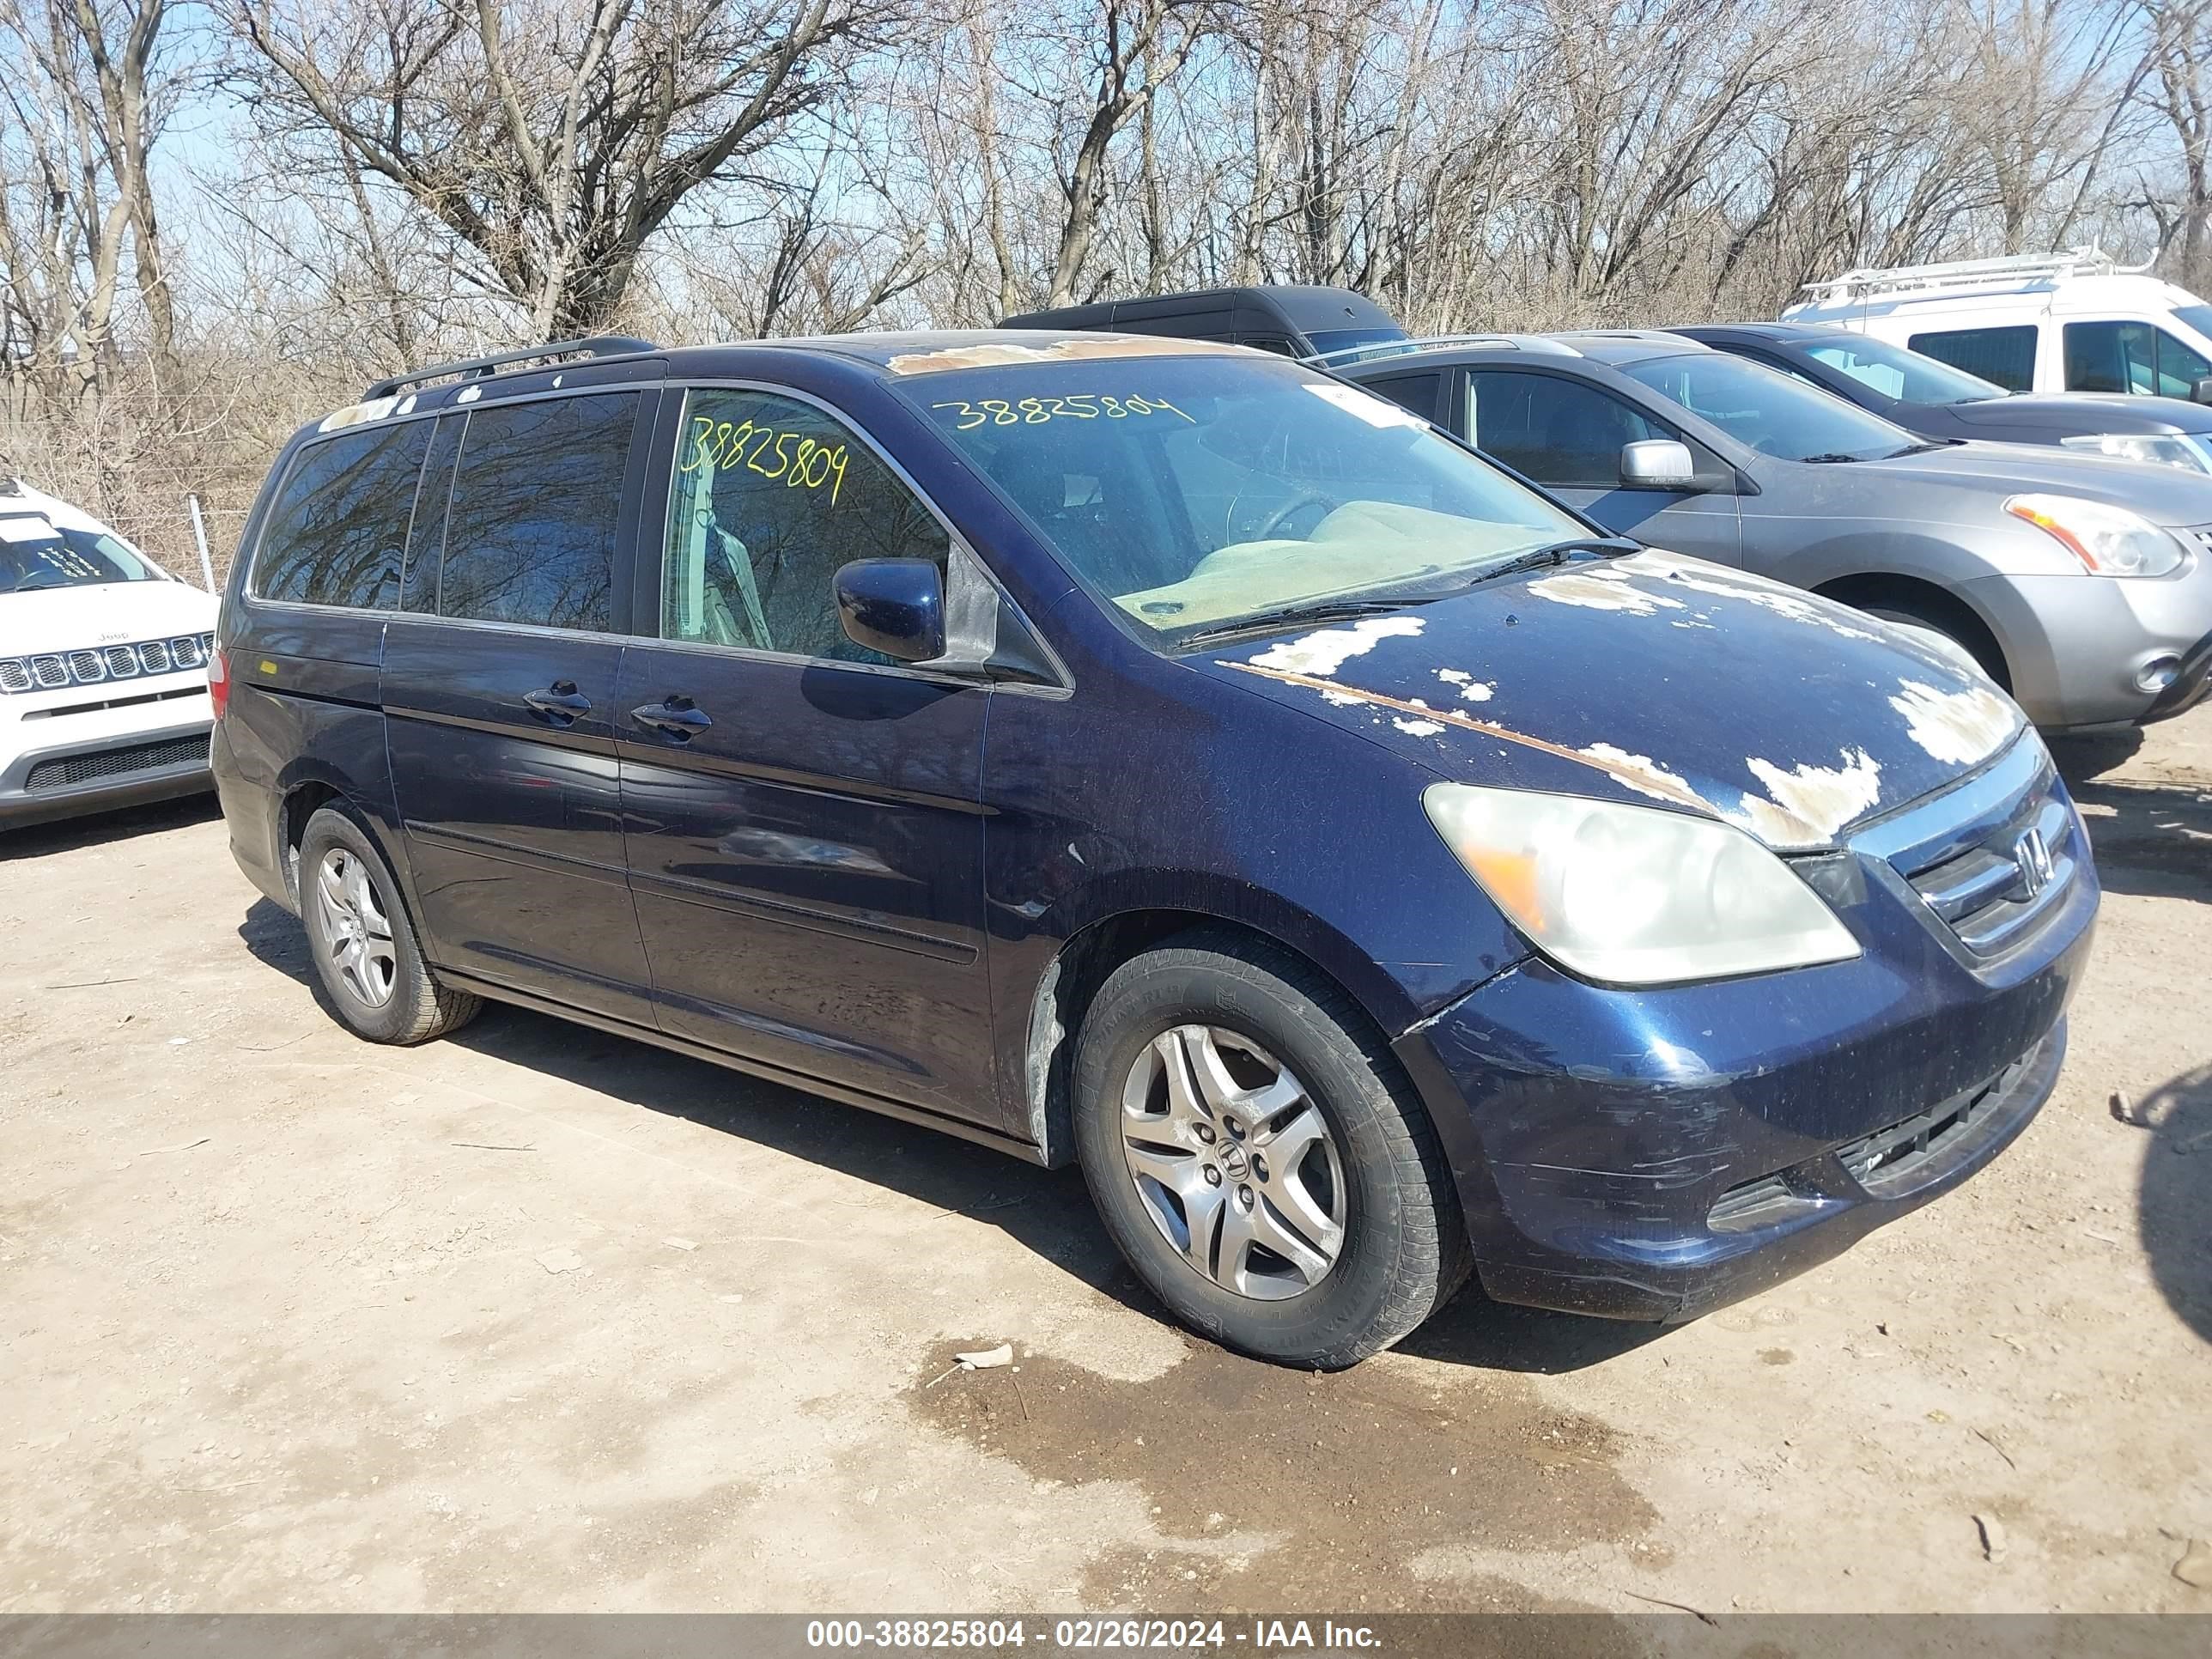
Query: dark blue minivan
x=1167, y=758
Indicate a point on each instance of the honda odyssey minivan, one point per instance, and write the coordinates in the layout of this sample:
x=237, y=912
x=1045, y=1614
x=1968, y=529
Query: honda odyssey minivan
x=1164, y=757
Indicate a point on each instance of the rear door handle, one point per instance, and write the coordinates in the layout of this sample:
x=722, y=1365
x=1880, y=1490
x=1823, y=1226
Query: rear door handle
x=679, y=717
x=559, y=702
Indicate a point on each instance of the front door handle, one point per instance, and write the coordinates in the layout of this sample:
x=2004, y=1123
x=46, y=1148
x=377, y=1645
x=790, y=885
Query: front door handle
x=559, y=702
x=679, y=717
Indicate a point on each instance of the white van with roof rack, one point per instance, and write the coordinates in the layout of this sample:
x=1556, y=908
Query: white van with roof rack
x=2075, y=321
x=103, y=667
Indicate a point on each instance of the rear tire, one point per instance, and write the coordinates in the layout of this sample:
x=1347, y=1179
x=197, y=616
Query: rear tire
x=1199, y=1062
x=362, y=942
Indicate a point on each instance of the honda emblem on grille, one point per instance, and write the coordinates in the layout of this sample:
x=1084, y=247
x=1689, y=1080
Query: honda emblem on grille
x=2032, y=858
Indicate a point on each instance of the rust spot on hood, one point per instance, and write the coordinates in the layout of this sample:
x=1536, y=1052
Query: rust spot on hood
x=1006, y=354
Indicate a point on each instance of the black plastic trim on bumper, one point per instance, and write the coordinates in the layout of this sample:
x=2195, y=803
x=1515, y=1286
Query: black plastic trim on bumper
x=2190, y=685
x=1769, y=1256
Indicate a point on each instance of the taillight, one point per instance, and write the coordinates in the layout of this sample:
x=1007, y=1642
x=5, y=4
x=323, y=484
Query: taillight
x=218, y=682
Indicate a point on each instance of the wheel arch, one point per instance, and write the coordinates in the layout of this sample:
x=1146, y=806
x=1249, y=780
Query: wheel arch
x=1943, y=606
x=1063, y=993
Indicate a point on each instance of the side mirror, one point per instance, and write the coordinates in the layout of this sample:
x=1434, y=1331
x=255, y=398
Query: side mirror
x=2201, y=392
x=895, y=606
x=1657, y=464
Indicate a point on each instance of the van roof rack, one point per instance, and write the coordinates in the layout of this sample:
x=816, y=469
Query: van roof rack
x=2089, y=260
x=1535, y=342
x=596, y=345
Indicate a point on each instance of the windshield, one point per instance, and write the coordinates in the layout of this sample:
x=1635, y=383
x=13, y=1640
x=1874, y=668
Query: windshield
x=1195, y=492
x=2198, y=317
x=35, y=554
x=1770, y=412
x=1896, y=372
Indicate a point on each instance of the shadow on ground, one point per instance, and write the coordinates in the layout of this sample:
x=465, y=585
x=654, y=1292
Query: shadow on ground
x=2176, y=1197
x=2152, y=839
x=1046, y=1210
x=69, y=835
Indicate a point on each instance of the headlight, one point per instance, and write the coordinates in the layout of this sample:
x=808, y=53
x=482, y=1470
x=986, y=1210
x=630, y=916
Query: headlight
x=1634, y=895
x=2161, y=449
x=2110, y=541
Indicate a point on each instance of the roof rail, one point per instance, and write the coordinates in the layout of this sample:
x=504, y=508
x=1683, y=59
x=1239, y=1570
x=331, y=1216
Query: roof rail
x=1646, y=335
x=598, y=345
x=1535, y=342
x=2085, y=261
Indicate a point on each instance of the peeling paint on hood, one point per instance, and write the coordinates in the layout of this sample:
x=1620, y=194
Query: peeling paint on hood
x=1807, y=804
x=1964, y=726
x=1787, y=715
x=1323, y=653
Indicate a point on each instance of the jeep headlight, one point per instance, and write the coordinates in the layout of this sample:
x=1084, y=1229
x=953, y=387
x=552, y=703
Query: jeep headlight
x=1635, y=895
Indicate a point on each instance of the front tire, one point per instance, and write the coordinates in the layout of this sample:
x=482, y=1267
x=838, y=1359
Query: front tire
x=1258, y=1158
x=362, y=943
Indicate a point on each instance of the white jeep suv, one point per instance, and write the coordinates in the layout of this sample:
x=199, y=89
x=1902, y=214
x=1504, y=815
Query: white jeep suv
x=103, y=667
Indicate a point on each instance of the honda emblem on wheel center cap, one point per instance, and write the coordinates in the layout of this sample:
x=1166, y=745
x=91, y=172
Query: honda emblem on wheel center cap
x=1234, y=1161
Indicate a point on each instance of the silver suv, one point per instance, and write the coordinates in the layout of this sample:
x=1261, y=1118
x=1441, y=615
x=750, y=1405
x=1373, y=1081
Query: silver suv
x=2080, y=584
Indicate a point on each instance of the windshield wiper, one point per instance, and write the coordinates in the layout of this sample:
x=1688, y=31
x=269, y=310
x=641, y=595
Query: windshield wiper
x=1266, y=621
x=1832, y=458
x=1603, y=547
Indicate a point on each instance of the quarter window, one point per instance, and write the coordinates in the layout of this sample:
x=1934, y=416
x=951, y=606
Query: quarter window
x=770, y=496
x=2004, y=356
x=2134, y=357
x=337, y=534
x=530, y=538
x=1553, y=430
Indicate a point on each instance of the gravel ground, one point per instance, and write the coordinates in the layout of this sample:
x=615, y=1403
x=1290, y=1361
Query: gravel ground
x=537, y=1319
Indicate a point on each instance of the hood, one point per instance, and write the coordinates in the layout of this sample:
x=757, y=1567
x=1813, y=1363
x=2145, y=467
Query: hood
x=2164, y=494
x=1651, y=677
x=2064, y=414
x=109, y=613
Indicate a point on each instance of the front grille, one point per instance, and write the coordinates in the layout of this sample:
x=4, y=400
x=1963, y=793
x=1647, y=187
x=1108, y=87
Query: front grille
x=54, y=670
x=117, y=762
x=1990, y=891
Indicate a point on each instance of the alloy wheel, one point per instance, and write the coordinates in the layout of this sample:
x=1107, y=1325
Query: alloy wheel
x=356, y=927
x=1234, y=1162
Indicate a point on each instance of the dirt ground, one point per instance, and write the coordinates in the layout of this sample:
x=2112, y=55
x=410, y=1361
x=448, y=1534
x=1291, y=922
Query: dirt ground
x=537, y=1319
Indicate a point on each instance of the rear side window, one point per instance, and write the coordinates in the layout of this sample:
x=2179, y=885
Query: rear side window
x=2005, y=356
x=337, y=534
x=1417, y=392
x=530, y=537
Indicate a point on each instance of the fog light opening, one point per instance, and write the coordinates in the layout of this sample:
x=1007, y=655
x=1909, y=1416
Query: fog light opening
x=2157, y=673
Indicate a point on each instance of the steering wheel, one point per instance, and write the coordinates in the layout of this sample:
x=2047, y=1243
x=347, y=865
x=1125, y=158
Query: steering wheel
x=1282, y=515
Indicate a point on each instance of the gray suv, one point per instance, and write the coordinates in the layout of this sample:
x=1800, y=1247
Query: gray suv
x=2081, y=584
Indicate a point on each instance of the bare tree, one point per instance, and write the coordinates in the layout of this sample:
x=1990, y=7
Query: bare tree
x=551, y=137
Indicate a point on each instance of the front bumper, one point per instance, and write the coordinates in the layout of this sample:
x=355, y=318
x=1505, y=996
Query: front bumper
x=1656, y=1154
x=2192, y=684
x=73, y=760
x=2077, y=646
